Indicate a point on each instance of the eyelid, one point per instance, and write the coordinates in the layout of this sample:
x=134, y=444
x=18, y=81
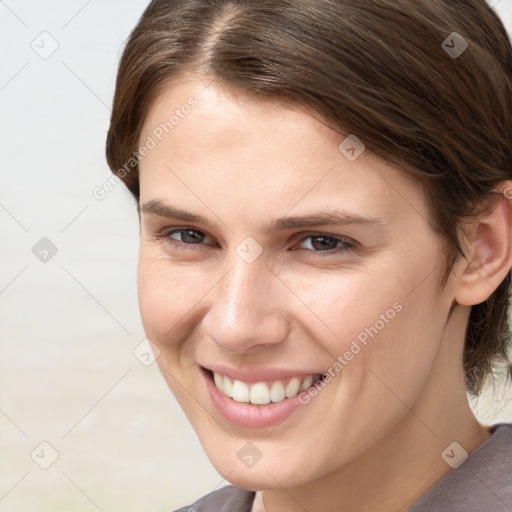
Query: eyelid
x=167, y=232
x=343, y=238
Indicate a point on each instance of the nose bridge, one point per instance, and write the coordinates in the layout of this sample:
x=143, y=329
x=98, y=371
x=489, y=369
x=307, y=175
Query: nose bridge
x=245, y=308
x=242, y=287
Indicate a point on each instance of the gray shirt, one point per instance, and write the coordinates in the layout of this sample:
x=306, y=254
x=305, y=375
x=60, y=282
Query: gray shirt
x=482, y=483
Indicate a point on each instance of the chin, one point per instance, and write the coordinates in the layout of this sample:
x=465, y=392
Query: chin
x=259, y=481
x=272, y=474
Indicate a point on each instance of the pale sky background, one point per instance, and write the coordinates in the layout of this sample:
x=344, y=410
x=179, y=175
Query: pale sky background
x=69, y=326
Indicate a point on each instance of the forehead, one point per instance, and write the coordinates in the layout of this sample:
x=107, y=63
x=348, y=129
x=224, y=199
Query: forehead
x=236, y=149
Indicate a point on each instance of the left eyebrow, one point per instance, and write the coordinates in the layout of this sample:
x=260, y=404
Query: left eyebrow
x=331, y=218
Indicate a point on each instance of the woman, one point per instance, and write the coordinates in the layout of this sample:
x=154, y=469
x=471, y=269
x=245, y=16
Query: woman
x=324, y=195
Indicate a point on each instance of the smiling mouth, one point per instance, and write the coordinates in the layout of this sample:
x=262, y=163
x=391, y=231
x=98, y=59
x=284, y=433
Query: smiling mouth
x=265, y=392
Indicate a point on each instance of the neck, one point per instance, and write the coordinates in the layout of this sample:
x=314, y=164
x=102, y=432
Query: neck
x=397, y=470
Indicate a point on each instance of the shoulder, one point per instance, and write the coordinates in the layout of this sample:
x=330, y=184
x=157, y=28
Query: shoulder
x=226, y=499
x=482, y=482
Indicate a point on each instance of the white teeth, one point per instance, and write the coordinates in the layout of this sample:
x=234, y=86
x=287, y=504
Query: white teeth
x=307, y=383
x=277, y=391
x=218, y=378
x=259, y=392
x=292, y=388
x=240, y=391
x=227, y=386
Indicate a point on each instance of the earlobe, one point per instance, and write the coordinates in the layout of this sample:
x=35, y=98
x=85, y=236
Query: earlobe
x=489, y=257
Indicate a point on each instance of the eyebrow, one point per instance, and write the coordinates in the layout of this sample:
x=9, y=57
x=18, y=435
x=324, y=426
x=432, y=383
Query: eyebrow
x=333, y=218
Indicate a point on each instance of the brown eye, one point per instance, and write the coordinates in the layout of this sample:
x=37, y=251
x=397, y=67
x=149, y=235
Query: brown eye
x=329, y=244
x=183, y=238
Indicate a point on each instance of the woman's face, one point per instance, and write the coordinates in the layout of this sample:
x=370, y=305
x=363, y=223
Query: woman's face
x=297, y=257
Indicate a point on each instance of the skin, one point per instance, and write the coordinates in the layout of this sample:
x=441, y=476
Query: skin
x=372, y=439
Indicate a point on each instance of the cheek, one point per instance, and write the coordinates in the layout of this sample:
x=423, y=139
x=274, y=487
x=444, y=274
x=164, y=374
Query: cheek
x=396, y=353
x=380, y=320
x=169, y=296
x=349, y=304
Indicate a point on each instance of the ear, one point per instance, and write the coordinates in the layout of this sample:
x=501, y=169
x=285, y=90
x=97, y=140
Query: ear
x=488, y=250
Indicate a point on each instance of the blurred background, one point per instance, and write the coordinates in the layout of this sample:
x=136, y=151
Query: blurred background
x=87, y=423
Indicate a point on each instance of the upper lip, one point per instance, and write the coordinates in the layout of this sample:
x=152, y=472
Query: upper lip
x=255, y=374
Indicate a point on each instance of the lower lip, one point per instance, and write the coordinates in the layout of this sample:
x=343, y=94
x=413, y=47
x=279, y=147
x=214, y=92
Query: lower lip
x=250, y=415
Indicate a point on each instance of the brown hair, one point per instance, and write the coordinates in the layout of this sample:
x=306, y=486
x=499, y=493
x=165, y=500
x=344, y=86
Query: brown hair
x=380, y=69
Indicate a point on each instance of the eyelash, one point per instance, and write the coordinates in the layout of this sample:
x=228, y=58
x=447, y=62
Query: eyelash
x=348, y=246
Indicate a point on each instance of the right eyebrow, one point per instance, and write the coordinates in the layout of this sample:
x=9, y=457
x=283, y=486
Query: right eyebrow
x=157, y=207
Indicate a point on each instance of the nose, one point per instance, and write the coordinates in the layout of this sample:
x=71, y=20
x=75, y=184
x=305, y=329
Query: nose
x=247, y=308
